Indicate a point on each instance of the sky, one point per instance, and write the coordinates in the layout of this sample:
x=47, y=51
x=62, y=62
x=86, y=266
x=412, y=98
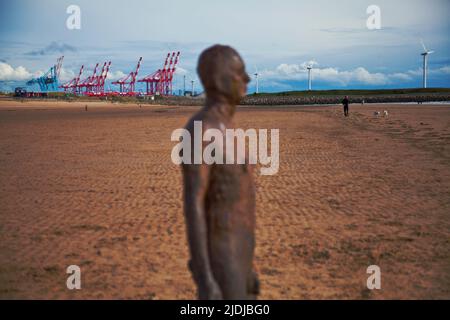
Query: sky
x=279, y=39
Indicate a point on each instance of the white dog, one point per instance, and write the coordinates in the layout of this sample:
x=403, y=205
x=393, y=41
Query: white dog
x=385, y=113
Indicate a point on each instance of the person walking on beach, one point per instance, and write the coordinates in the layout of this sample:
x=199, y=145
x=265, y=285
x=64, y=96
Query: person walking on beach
x=345, y=102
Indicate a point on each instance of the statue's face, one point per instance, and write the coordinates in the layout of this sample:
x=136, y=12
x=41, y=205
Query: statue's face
x=241, y=78
x=221, y=69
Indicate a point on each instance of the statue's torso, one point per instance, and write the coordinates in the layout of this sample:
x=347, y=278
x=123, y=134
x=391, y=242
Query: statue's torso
x=230, y=199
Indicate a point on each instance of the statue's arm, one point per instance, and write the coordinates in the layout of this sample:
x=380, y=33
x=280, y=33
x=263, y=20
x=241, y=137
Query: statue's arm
x=195, y=187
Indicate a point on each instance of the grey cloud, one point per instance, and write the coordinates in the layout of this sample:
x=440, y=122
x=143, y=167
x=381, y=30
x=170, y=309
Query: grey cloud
x=53, y=47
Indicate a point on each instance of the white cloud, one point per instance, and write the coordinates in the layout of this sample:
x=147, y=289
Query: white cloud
x=8, y=73
x=293, y=69
x=332, y=75
x=440, y=71
x=401, y=77
x=297, y=72
x=445, y=70
x=66, y=75
x=415, y=73
x=180, y=71
x=288, y=70
x=361, y=75
x=113, y=76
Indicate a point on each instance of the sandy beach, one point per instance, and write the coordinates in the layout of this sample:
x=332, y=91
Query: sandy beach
x=98, y=189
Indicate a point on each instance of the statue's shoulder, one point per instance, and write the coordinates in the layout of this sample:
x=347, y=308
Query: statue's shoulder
x=206, y=119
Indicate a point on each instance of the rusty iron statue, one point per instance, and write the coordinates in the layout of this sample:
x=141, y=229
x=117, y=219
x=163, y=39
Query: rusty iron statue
x=219, y=199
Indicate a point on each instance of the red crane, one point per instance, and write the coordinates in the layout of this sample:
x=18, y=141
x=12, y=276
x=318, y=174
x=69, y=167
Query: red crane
x=170, y=75
x=72, y=85
x=85, y=83
x=97, y=85
x=160, y=82
x=101, y=85
x=93, y=85
x=127, y=83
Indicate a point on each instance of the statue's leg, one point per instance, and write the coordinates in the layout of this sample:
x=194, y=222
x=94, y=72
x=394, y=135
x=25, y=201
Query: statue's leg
x=194, y=276
x=231, y=255
x=253, y=285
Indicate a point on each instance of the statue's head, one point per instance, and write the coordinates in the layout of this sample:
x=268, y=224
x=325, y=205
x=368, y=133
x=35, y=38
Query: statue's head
x=222, y=71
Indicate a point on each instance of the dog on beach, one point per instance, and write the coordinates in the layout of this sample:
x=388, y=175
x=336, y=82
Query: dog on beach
x=378, y=113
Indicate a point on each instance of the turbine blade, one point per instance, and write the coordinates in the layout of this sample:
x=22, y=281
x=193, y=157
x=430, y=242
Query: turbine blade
x=423, y=45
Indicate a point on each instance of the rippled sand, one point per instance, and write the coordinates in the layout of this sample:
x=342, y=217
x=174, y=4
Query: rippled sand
x=98, y=189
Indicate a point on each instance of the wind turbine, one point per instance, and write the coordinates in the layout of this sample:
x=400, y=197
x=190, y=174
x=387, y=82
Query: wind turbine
x=256, y=78
x=425, y=63
x=309, y=76
x=192, y=91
